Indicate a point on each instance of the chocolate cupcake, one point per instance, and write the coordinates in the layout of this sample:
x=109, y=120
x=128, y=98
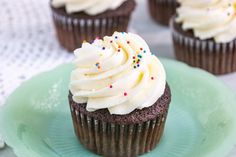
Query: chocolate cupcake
x=162, y=10
x=204, y=36
x=119, y=97
x=84, y=20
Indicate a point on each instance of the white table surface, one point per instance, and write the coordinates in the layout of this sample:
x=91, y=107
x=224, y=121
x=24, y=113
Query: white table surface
x=158, y=38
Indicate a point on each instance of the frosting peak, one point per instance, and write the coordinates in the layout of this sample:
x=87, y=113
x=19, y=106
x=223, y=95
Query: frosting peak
x=118, y=73
x=209, y=18
x=91, y=7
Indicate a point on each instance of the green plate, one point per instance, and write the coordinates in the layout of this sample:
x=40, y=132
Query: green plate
x=36, y=120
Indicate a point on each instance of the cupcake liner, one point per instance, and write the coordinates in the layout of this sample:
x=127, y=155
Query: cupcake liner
x=117, y=140
x=216, y=58
x=72, y=31
x=162, y=10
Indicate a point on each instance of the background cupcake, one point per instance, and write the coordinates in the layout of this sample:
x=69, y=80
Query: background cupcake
x=119, y=97
x=204, y=34
x=79, y=20
x=162, y=10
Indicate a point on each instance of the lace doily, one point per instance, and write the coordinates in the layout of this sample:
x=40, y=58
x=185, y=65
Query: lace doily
x=27, y=43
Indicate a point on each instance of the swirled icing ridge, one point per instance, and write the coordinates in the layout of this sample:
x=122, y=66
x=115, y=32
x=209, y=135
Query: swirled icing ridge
x=208, y=19
x=118, y=73
x=91, y=7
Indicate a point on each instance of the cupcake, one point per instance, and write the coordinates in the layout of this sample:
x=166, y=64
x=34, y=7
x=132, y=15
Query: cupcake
x=204, y=36
x=118, y=97
x=162, y=10
x=83, y=20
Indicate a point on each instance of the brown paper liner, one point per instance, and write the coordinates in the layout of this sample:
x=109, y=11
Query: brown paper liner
x=162, y=10
x=117, y=140
x=216, y=58
x=72, y=30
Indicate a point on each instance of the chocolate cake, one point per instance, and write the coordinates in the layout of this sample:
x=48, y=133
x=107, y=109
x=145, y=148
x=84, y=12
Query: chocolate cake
x=73, y=29
x=121, y=135
x=217, y=58
x=162, y=10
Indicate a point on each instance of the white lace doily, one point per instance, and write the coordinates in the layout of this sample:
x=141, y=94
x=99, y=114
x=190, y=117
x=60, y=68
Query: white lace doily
x=27, y=43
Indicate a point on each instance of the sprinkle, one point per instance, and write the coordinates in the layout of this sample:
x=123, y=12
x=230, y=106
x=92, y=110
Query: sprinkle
x=118, y=50
x=128, y=42
x=111, y=41
x=133, y=57
x=116, y=37
x=97, y=65
x=125, y=94
x=152, y=78
x=110, y=86
x=139, y=56
x=228, y=14
x=103, y=48
x=119, y=46
x=138, y=60
x=141, y=48
x=134, y=67
x=133, y=61
x=138, y=65
x=144, y=51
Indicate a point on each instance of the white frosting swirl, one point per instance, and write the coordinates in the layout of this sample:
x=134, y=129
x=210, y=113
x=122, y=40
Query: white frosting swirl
x=118, y=73
x=91, y=7
x=209, y=18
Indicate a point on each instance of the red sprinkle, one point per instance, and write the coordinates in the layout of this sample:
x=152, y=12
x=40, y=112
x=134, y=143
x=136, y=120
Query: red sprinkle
x=111, y=41
x=152, y=78
x=133, y=57
x=128, y=42
x=99, y=67
x=141, y=48
x=118, y=50
x=110, y=86
x=125, y=94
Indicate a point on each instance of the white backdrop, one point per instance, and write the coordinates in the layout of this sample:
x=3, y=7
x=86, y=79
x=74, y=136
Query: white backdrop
x=28, y=44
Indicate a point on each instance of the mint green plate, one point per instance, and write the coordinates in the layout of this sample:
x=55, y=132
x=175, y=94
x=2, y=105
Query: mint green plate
x=36, y=120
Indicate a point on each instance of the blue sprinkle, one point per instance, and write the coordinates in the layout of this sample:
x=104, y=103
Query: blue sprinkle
x=138, y=65
x=103, y=48
x=116, y=37
x=139, y=56
x=144, y=51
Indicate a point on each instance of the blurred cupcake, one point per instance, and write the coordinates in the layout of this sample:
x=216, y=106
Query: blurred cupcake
x=119, y=97
x=162, y=10
x=79, y=20
x=204, y=34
